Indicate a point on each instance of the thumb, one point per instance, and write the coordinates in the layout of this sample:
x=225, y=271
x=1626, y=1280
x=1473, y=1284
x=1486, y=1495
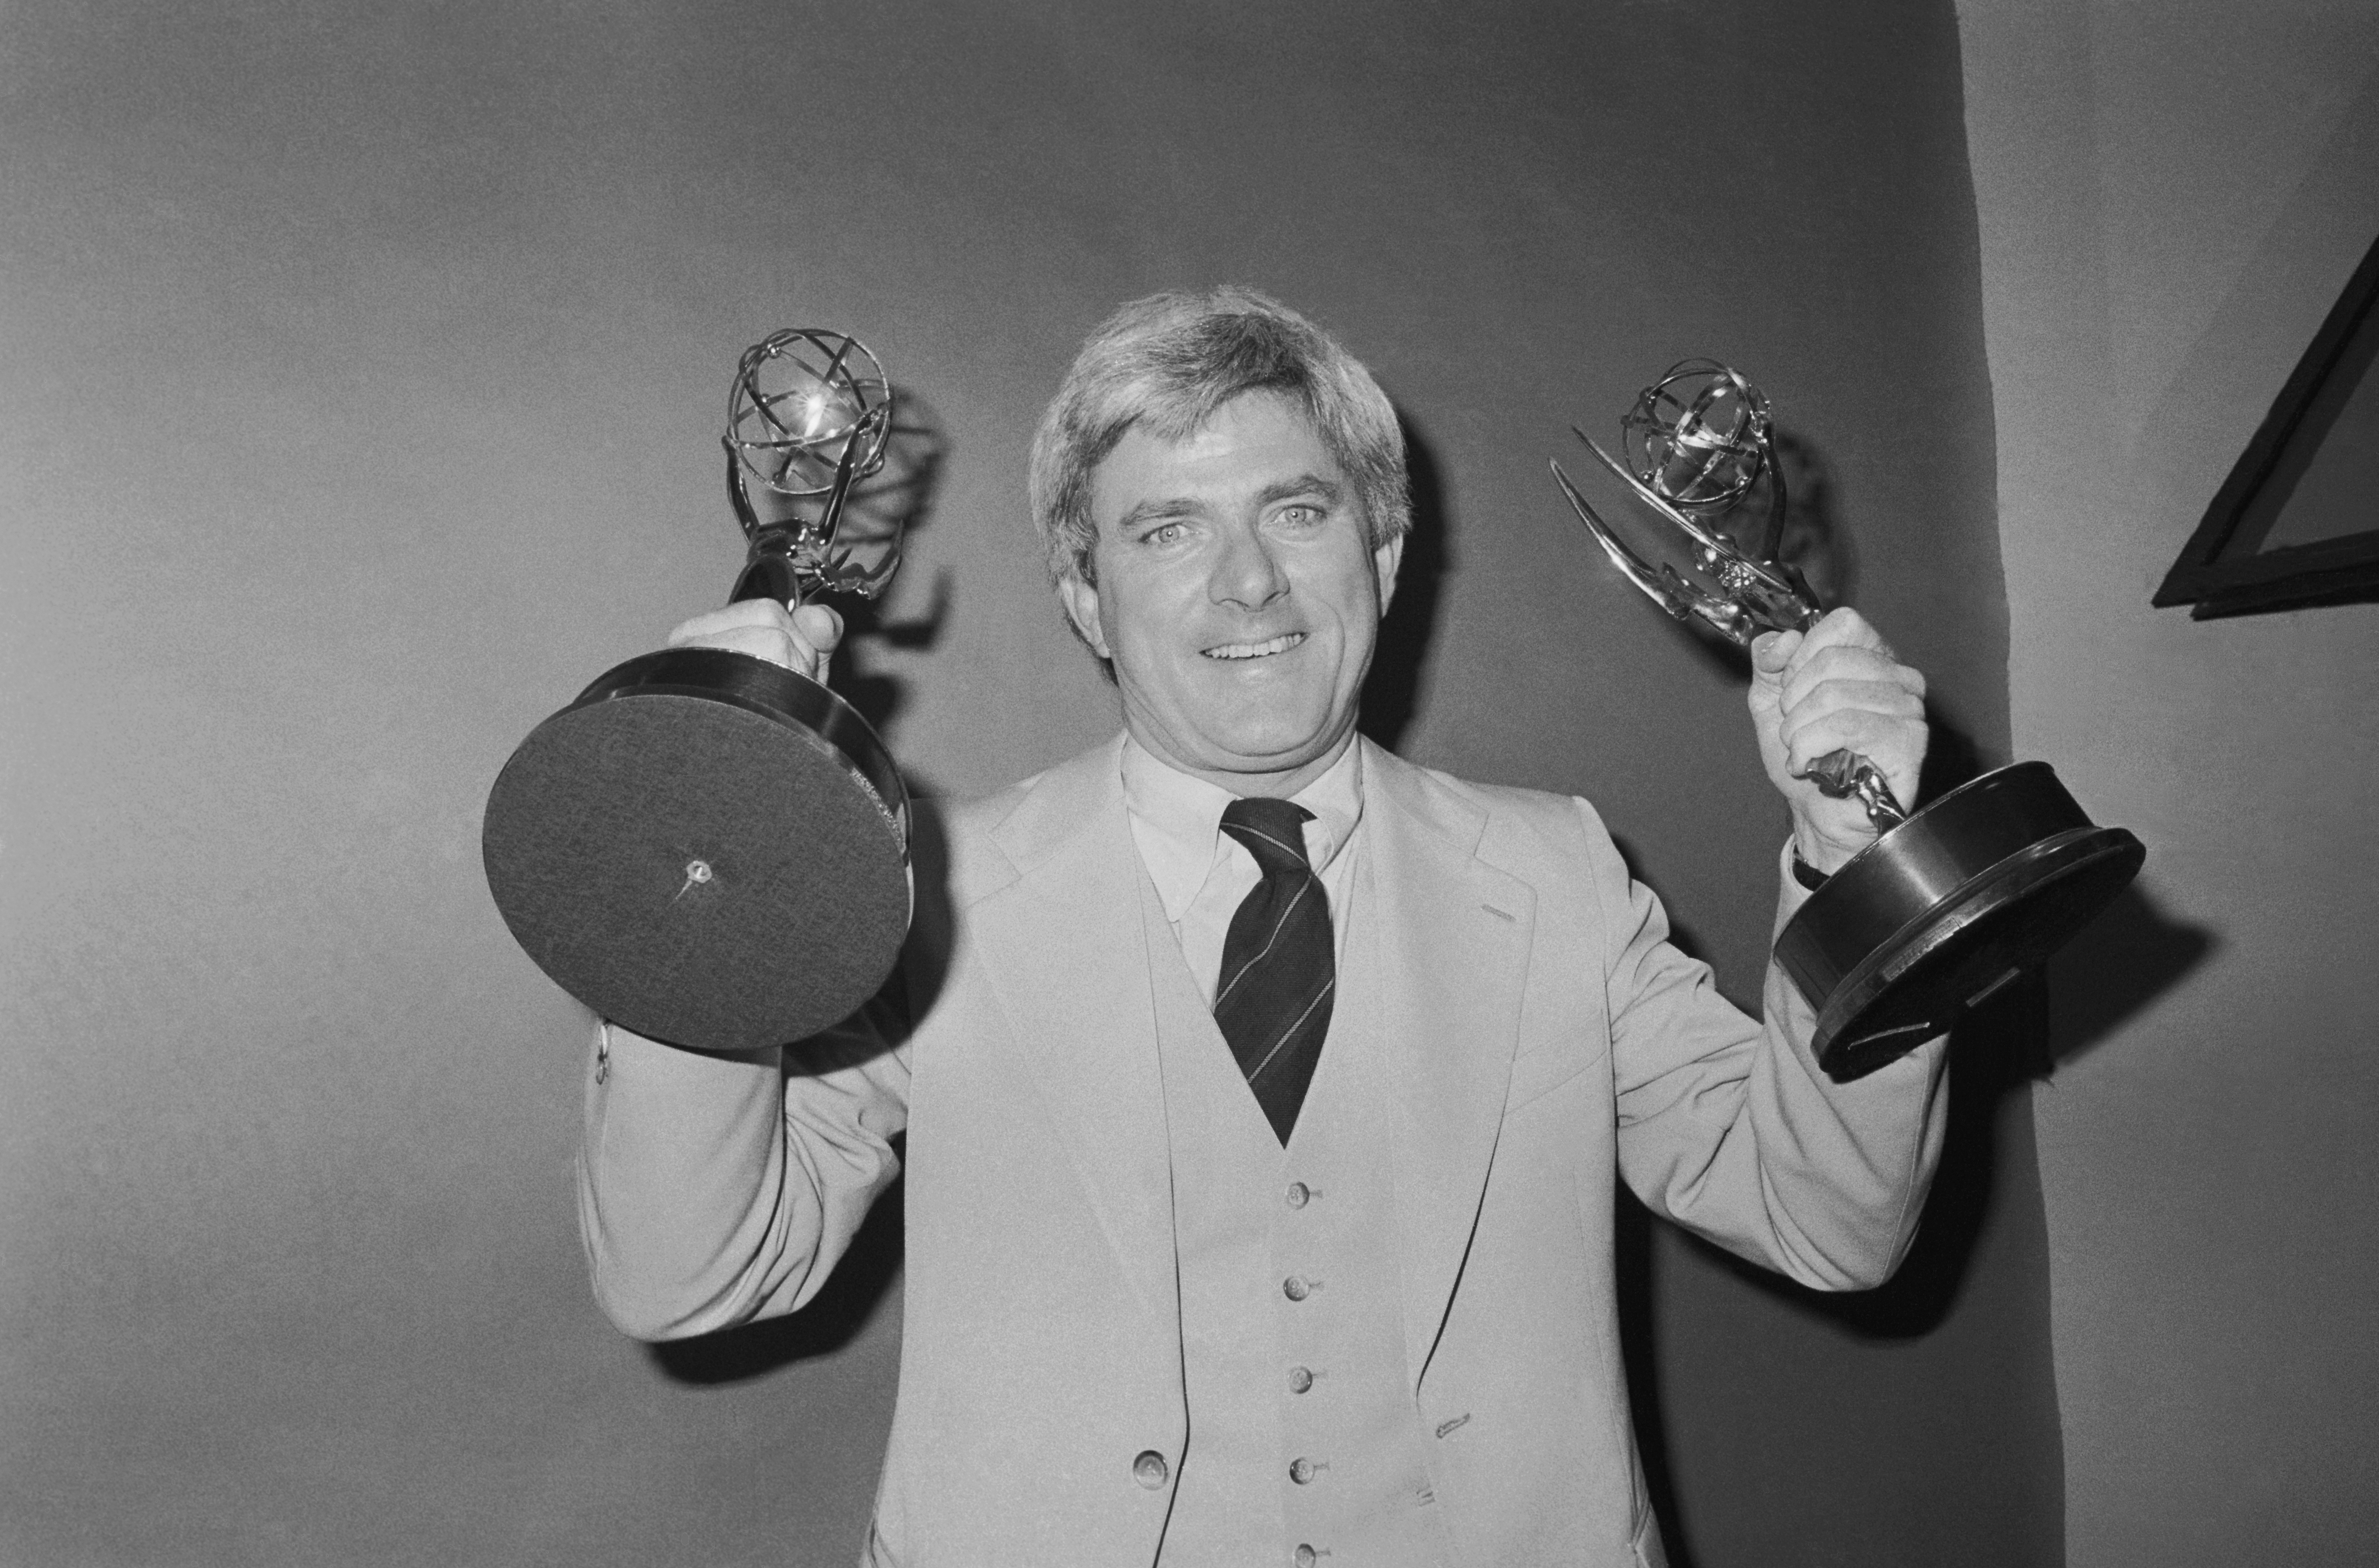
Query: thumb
x=1771, y=653
x=819, y=626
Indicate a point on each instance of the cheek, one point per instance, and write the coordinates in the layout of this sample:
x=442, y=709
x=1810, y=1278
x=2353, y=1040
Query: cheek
x=1148, y=611
x=1353, y=597
x=1123, y=621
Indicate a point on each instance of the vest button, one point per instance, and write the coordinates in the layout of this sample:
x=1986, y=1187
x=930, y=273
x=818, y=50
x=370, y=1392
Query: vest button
x=1294, y=1288
x=1300, y=1470
x=1298, y=1194
x=1305, y=1557
x=1150, y=1469
x=1299, y=1379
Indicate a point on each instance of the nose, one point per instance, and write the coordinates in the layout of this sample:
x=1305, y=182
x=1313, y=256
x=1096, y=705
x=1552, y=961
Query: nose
x=1247, y=575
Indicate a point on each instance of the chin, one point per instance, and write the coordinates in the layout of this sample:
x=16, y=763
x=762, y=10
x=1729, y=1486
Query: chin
x=1273, y=748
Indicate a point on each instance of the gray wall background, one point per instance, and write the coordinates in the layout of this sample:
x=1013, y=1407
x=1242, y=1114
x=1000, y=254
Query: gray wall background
x=359, y=375
x=2171, y=197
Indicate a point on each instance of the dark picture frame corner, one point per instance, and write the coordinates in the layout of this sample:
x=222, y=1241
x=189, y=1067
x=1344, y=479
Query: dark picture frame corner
x=2281, y=533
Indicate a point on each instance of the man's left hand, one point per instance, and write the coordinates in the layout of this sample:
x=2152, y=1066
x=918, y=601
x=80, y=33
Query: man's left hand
x=1836, y=687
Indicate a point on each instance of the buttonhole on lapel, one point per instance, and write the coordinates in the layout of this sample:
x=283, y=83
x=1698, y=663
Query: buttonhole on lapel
x=1445, y=1428
x=1504, y=915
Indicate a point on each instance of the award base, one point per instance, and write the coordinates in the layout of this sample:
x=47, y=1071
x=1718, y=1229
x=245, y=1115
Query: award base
x=707, y=848
x=1945, y=910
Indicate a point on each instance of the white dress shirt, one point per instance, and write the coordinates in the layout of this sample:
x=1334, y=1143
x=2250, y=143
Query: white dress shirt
x=1201, y=873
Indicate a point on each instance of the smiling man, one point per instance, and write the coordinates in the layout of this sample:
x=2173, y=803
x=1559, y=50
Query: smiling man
x=1264, y=1093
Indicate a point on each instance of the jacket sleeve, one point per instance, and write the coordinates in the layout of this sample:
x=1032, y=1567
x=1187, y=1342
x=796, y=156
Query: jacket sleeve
x=1728, y=1126
x=713, y=1189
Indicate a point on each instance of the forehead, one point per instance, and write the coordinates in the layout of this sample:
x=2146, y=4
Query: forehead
x=1255, y=442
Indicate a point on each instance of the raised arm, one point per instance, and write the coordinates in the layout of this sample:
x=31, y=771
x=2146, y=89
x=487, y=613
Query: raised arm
x=1728, y=1124
x=718, y=1187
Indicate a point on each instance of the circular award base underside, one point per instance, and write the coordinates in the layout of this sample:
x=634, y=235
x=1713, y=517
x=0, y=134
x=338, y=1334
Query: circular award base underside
x=1944, y=912
x=697, y=867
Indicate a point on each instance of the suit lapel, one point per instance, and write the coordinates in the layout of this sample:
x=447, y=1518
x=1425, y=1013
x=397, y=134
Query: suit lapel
x=1448, y=959
x=1074, y=910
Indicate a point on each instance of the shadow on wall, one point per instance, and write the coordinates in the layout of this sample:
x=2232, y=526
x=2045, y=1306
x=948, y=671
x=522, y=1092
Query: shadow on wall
x=1392, y=692
x=2129, y=955
x=898, y=500
x=1814, y=538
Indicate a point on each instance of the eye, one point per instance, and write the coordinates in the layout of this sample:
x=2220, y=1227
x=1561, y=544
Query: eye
x=1300, y=514
x=1163, y=534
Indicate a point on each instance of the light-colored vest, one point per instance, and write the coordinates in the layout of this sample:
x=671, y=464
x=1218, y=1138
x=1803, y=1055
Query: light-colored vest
x=1303, y=1427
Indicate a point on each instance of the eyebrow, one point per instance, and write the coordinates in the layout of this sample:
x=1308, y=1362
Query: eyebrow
x=1328, y=490
x=1154, y=511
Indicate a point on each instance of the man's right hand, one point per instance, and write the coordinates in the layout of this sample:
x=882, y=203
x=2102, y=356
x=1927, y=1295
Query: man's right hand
x=801, y=641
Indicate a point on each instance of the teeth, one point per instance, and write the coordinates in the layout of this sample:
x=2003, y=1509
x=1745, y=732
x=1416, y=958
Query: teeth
x=1257, y=651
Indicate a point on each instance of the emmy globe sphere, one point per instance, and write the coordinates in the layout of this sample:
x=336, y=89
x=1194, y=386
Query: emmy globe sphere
x=1698, y=436
x=800, y=399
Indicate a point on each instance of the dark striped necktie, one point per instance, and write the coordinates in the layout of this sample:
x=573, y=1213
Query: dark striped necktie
x=1273, y=993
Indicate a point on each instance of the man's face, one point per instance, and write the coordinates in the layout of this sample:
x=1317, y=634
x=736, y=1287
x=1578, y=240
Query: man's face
x=1239, y=595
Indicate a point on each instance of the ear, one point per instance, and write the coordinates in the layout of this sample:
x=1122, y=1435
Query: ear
x=1384, y=562
x=1081, y=602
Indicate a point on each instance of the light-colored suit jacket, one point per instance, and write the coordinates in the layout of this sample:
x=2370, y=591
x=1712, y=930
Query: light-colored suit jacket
x=1543, y=1036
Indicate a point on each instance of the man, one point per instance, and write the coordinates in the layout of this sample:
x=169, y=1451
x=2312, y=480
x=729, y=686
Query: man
x=1265, y=1092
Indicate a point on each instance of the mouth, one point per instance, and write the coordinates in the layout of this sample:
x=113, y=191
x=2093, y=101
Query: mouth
x=1279, y=644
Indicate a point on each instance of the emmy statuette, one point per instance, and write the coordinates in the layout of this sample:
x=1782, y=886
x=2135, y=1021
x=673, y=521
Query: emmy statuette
x=705, y=846
x=1952, y=902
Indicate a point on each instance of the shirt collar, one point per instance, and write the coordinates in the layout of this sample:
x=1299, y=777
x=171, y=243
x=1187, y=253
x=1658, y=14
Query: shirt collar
x=1180, y=818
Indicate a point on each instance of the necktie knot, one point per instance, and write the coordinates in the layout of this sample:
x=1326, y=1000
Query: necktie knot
x=1272, y=831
